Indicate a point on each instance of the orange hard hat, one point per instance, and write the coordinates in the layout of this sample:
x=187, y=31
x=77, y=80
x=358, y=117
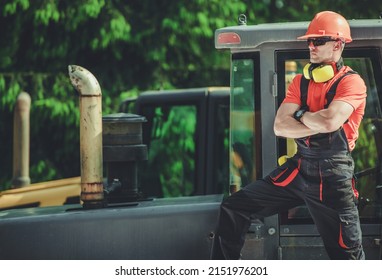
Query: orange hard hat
x=328, y=24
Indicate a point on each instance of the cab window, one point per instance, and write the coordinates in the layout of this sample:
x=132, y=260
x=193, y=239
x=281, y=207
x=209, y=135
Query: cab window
x=170, y=169
x=245, y=146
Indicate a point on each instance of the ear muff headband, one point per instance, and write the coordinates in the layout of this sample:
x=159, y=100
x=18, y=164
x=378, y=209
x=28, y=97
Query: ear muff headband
x=321, y=73
x=318, y=73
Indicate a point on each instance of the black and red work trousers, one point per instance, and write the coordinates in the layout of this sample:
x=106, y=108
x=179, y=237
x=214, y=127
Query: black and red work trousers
x=325, y=185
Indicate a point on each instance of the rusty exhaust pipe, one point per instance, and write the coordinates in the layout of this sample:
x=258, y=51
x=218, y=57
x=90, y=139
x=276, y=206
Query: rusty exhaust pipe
x=90, y=136
x=21, y=138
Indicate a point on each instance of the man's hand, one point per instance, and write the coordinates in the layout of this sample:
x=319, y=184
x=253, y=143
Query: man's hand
x=286, y=125
x=328, y=120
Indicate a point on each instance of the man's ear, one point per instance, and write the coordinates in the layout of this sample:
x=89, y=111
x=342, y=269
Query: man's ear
x=338, y=45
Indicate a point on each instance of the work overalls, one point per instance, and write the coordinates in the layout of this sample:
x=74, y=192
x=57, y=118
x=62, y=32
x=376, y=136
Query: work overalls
x=321, y=176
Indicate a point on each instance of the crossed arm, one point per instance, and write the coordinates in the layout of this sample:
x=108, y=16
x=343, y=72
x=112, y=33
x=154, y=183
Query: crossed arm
x=323, y=121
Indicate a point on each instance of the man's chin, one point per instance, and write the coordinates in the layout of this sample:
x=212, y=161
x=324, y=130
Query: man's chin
x=314, y=60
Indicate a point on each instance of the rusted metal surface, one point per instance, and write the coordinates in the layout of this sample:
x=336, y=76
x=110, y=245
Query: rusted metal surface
x=91, y=192
x=90, y=135
x=21, y=136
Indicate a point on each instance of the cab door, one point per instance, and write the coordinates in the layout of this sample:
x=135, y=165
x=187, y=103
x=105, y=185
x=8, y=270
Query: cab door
x=252, y=146
x=186, y=134
x=299, y=238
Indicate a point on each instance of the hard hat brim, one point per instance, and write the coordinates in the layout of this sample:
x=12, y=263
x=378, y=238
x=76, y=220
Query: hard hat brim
x=309, y=36
x=304, y=37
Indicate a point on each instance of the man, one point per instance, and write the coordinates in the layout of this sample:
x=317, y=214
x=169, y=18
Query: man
x=321, y=174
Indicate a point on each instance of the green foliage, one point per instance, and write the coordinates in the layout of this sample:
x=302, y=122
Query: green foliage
x=171, y=154
x=365, y=157
x=54, y=139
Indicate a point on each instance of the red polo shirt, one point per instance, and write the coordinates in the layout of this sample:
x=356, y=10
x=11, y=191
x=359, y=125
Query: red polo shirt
x=351, y=89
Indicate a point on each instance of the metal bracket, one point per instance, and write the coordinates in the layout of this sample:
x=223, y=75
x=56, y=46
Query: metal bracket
x=274, y=85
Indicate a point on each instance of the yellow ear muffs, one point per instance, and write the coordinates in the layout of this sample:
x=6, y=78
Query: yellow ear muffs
x=318, y=73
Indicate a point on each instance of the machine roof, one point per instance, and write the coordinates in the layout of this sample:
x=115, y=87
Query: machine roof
x=252, y=36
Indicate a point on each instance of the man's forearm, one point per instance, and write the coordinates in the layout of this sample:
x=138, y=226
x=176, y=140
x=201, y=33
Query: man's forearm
x=318, y=121
x=288, y=127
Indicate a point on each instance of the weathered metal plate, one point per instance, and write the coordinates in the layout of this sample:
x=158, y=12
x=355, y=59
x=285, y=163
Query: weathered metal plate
x=177, y=228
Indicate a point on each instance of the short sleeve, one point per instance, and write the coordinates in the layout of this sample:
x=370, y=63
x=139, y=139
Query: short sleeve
x=293, y=92
x=352, y=90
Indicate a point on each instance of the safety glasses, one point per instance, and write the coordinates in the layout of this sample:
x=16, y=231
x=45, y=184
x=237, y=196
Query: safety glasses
x=319, y=41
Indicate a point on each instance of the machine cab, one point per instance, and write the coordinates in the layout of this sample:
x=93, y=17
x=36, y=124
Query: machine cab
x=264, y=59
